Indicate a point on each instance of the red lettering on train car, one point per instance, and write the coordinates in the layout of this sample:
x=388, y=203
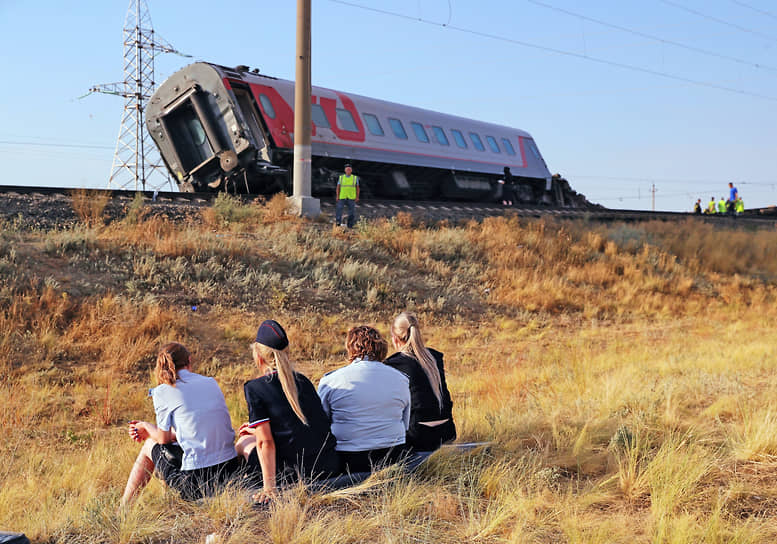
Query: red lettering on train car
x=329, y=105
x=282, y=125
x=522, y=152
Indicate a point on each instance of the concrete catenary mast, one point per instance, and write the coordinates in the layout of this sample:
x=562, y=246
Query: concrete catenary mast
x=136, y=163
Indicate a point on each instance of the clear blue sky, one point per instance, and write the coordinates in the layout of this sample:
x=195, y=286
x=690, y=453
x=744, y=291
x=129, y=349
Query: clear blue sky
x=614, y=107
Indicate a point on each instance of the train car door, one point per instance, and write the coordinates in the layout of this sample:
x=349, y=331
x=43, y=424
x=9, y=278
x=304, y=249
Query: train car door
x=188, y=136
x=251, y=116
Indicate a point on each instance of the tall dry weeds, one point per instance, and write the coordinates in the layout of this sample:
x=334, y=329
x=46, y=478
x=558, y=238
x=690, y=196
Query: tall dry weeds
x=89, y=205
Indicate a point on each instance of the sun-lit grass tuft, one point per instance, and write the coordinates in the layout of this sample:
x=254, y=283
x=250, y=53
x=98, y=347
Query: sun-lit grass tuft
x=90, y=205
x=755, y=438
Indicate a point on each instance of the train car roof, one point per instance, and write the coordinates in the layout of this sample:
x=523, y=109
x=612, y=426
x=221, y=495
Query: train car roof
x=385, y=104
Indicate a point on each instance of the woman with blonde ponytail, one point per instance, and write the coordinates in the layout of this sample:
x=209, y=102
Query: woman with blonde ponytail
x=431, y=419
x=288, y=434
x=191, y=447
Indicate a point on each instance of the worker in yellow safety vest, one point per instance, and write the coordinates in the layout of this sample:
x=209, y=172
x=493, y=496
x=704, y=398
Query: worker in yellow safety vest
x=739, y=205
x=347, y=193
x=711, y=206
x=722, y=206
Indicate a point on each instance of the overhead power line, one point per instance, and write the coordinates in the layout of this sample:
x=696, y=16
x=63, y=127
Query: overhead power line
x=671, y=180
x=655, y=38
x=561, y=51
x=757, y=10
x=45, y=144
x=720, y=21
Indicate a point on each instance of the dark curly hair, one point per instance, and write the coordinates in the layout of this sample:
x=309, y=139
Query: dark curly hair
x=364, y=342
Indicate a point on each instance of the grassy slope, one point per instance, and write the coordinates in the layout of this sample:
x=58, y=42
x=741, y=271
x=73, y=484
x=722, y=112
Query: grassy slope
x=624, y=374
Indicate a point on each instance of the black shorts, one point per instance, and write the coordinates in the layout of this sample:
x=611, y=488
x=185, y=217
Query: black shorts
x=423, y=438
x=369, y=460
x=192, y=484
x=285, y=474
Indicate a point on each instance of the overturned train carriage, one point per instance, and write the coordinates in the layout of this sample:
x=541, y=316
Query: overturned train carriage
x=232, y=129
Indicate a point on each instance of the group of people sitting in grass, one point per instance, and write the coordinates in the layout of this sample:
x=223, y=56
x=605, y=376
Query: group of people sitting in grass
x=371, y=412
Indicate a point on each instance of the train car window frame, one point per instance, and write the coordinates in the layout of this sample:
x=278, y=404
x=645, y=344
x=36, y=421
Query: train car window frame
x=345, y=120
x=269, y=111
x=397, y=128
x=439, y=135
x=420, y=132
x=188, y=136
x=508, y=145
x=492, y=144
x=458, y=137
x=533, y=148
x=476, y=141
x=373, y=124
x=318, y=116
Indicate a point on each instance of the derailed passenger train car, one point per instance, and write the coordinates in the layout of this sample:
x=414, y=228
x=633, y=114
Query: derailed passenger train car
x=232, y=129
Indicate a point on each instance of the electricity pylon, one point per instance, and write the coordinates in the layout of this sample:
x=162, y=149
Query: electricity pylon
x=136, y=162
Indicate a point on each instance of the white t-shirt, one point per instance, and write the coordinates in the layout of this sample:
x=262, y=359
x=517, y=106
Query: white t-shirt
x=196, y=409
x=368, y=404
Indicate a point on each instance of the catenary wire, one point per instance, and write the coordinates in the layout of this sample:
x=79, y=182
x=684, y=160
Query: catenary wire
x=561, y=52
x=655, y=38
x=719, y=21
x=757, y=10
x=46, y=144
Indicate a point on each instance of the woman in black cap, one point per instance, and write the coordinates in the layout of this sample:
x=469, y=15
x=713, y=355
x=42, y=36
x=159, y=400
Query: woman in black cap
x=288, y=434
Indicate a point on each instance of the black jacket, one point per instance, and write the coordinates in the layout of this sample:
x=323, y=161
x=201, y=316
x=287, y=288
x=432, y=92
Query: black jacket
x=423, y=403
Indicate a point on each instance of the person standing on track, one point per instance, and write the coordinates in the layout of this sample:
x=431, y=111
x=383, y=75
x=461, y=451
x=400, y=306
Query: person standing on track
x=732, y=192
x=508, y=188
x=347, y=194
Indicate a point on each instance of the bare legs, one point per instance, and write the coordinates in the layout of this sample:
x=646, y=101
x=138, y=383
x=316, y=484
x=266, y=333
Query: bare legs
x=140, y=474
x=245, y=445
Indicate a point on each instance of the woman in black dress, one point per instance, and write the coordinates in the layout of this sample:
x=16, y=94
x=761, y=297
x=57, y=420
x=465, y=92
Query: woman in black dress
x=431, y=420
x=288, y=435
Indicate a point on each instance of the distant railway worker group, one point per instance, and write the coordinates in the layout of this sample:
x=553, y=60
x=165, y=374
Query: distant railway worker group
x=734, y=205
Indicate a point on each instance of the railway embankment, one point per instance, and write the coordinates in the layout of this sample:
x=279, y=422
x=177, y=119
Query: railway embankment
x=621, y=371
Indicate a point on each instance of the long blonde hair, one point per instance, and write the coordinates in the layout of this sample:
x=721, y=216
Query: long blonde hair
x=407, y=330
x=171, y=358
x=280, y=362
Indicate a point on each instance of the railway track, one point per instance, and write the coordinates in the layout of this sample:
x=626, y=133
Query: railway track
x=49, y=207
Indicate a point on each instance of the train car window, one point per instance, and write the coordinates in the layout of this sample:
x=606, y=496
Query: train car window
x=318, y=116
x=533, y=148
x=188, y=136
x=420, y=133
x=373, y=125
x=397, y=128
x=345, y=120
x=459, y=138
x=508, y=146
x=493, y=145
x=439, y=135
x=269, y=111
x=476, y=141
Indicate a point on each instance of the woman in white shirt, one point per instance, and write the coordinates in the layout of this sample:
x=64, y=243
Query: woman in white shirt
x=191, y=447
x=367, y=402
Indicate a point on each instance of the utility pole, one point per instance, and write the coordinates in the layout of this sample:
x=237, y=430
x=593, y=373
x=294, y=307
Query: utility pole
x=653, y=195
x=302, y=201
x=136, y=162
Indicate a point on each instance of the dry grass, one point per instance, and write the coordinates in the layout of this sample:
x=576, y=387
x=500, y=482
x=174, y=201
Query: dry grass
x=622, y=373
x=90, y=205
